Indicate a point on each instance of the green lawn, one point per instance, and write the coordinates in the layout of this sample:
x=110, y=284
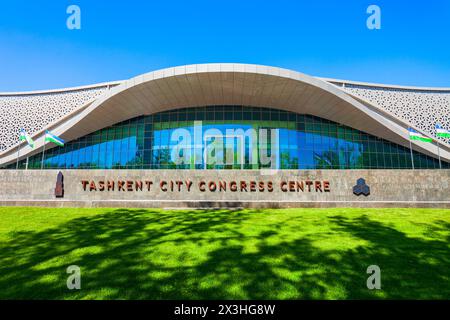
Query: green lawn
x=224, y=254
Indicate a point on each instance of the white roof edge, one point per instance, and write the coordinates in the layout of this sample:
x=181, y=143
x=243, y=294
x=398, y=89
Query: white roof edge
x=91, y=86
x=231, y=65
x=387, y=86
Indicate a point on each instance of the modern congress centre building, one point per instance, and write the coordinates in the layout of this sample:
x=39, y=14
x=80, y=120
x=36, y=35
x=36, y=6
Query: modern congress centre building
x=223, y=123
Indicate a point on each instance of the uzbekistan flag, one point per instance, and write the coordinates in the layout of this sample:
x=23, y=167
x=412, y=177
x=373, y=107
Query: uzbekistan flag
x=52, y=138
x=414, y=135
x=25, y=137
x=441, y=132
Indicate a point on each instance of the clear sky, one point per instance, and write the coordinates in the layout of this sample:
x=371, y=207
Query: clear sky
x=122, y=39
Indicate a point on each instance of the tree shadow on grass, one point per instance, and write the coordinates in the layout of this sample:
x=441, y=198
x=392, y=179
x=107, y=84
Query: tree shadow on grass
x=411, y=267
x=218, y=254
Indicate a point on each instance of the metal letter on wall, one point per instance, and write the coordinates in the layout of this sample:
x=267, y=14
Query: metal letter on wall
x=59, y=189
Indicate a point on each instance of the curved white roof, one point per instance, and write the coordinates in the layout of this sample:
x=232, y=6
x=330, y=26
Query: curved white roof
x=381, y=110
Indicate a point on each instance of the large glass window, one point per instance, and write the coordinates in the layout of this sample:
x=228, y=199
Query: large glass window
x=230, y=137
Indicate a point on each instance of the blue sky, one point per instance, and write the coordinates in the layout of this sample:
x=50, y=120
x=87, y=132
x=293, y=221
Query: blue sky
x=121, y=39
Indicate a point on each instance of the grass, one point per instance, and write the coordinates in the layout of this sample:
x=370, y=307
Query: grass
x=224, y=254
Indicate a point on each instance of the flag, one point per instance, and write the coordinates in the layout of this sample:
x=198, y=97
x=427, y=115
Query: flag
x=414, y=135
x=52, y=138
x=25, y=137
x=441, y=132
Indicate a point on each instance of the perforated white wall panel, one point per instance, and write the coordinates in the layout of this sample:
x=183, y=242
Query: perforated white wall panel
x=36, y=111
x=422, y=108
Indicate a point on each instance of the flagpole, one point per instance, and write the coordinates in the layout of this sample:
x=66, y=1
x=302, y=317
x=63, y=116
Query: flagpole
x=18, y=149
x=410, y=148
x=439, y=154
x=43, y=152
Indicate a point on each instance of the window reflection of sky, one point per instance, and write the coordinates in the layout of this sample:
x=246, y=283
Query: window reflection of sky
x=305, y=142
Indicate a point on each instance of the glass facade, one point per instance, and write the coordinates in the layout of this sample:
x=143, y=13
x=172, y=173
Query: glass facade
x=242, y=137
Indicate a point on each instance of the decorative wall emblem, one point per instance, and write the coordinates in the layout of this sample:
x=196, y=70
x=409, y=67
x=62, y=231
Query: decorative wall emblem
x=361, y=188
x=59, y=189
